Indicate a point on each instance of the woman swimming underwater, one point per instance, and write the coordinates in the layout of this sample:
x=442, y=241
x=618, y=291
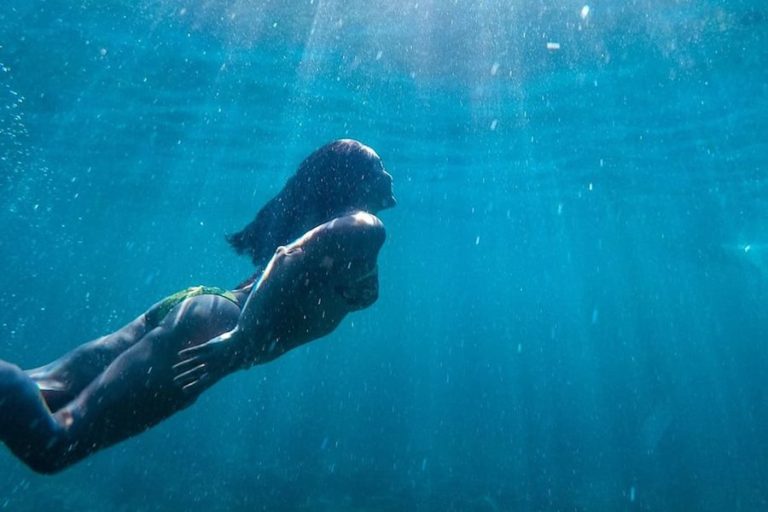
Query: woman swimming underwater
x=119, y=385
x=340, y=177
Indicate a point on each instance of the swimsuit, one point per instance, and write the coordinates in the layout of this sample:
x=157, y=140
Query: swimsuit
x=158, y=312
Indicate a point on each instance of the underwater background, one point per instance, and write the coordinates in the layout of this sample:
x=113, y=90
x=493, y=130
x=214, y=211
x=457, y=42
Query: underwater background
x=574, y=291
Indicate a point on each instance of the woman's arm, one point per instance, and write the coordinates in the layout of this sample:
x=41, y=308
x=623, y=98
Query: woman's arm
x=305, y=291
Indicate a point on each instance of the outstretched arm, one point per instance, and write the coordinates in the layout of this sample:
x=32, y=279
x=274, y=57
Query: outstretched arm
x=305, y=291
x=233, y=350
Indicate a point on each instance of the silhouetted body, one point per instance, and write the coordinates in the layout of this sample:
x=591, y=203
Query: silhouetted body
x=305, y=291
x=87, y=399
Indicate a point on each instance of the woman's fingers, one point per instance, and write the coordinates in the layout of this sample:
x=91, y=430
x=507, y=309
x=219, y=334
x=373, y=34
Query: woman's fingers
x=187, y=364
x=193, y=351
x=192, y=371
x=192, y=386
x=190, y=375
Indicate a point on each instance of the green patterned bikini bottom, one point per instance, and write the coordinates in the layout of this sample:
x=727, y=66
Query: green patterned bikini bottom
x=159, y=311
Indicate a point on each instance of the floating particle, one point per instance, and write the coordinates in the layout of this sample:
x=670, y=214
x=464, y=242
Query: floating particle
x=477, y=240
x=552, y=46
x=494, y=124
x=379, y=55
x=584, y=12
x=103, y=52
x=495, y=68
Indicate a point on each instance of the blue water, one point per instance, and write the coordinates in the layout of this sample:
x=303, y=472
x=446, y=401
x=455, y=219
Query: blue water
x=574, y=286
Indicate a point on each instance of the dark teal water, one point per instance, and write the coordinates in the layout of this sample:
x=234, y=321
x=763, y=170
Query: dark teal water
x=573, y=307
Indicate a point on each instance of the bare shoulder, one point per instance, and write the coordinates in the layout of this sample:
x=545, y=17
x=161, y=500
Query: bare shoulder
x=352, y=232
x=354, y=221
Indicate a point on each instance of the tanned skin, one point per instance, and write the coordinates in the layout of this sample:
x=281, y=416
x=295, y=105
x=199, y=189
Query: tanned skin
x=304, y=293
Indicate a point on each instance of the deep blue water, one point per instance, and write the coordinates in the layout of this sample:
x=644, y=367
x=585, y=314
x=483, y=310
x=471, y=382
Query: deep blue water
x=573, y=306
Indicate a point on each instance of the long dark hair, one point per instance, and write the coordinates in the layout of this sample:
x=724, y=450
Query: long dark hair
x=333, y=180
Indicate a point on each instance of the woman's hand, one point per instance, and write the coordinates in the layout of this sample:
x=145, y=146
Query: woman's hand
x=203, y=364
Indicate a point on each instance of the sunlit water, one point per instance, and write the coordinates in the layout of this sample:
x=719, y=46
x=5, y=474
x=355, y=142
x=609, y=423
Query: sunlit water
x=573, y=307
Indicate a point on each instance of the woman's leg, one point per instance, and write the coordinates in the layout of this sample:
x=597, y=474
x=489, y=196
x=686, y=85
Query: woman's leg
x=65, y=378
x=134, y=392
x=27, y=426
x=122, y=400
x=130, y=395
